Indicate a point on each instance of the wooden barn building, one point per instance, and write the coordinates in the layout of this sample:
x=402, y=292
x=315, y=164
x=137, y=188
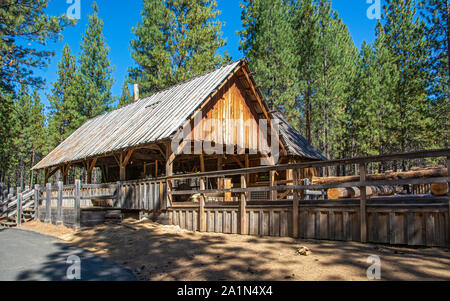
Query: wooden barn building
x=223, y=107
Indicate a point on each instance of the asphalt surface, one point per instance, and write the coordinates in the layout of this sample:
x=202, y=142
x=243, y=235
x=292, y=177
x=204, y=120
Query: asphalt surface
x=26, y=255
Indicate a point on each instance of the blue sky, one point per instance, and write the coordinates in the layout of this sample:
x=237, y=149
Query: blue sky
x=120, y=16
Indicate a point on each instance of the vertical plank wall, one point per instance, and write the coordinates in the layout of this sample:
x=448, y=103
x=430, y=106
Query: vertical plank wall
x=399, y=225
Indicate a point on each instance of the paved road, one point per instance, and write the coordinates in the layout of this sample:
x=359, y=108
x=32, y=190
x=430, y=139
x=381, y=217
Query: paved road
x=26, y=255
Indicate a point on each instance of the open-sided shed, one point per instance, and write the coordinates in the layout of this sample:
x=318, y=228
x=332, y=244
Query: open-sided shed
x=222, y=109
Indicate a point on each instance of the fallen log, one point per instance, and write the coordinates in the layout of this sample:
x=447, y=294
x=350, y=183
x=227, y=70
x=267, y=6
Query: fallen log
x=439, y=189
x=417, y=173
x=354, y=192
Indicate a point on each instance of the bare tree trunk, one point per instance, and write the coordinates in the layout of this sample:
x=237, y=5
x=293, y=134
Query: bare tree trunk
x=32, y=172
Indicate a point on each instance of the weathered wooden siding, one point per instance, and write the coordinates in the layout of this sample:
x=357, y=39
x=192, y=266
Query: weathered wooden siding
x=230, y=119
x=396, y=224
x=144, y=195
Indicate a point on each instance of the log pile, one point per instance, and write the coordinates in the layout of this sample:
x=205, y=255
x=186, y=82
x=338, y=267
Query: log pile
x=439, y=189
x=389, y=175
x=352, y=192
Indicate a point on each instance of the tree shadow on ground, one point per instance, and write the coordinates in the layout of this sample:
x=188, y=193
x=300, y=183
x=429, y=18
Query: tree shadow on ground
x=156, y=252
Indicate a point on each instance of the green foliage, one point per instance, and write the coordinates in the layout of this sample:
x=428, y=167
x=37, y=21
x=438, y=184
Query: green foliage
x=29, y=136
x=24, y=25
x=176, y=40
x=95, y=68
x=268, y=41
x=435, y=13
x=404, y=36
x=66, y=100
x=25, y=21
x=126, y=97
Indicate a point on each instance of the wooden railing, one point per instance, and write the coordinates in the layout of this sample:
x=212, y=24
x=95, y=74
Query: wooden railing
x=405, y=219
x=420, y=219
x=13, y=204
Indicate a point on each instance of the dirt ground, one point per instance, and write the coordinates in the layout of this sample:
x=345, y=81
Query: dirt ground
x=158, y=252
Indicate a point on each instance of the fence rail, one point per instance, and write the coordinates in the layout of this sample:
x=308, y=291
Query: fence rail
x=287, y=209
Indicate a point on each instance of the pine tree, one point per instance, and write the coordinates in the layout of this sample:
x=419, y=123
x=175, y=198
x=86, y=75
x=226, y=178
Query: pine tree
x=20, y=160
x=126, y=97
x=95, y=68
x=335, y=56
x=66, y=100
x=38, y=134
x=176, y=40
x=437, y=16
x=267, y=40
x=405, y=38
x=373, y=115
x=24, y=28
x=6, y=135
x=306, y=26
x=23, y=24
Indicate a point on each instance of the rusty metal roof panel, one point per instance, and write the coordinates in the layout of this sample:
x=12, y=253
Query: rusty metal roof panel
x=147, y=120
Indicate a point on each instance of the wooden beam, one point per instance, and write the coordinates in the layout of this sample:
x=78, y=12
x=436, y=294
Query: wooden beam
x=202, y=163
x=123, y=162
x=169, y=171
x=237, y=161
x=202, y=215
x=247, y=165
x=65, y=172
x=295, y=206
x=127, y=157
x=49, y=173
x=122, y=168
x=89, y=167
x=242, y=207
x=219, y=167
x=362, y=203
x=273, y=193
x=156, y=168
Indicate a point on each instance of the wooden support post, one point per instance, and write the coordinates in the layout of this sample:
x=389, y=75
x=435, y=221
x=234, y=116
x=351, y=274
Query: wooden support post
x=48, y=203
x=19, y=209
x=247, y=165
x=59, y=204
x=37, y=189
x=201, y=213
x=300, y=181
x=362, y=202
x=242, y=205
x=202, y=163
x=273, y=193
x=122, y=169
x=219, y=167
x=65, y=171
x=156, y=168
x=90, y=167
x=295, y=206
x=77, y=204
x=169, y=172
x=118, y=202
x=123, y=162
x=46, y=175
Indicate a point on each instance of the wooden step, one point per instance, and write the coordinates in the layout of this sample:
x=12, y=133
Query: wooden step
x=8, y=224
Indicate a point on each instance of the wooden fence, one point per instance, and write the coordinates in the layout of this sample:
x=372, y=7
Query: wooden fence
x=404, y=219
x=419, y=219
